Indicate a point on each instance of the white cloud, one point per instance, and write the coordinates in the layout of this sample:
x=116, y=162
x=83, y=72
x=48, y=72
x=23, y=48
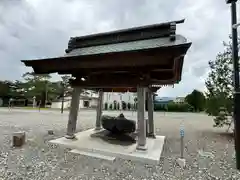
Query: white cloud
x=42, y=28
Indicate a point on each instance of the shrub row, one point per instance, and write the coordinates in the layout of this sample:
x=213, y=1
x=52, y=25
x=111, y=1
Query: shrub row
x=116, y=106
x=173, y=107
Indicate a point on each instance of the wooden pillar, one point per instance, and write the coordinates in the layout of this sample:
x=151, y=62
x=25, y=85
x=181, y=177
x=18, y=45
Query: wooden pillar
x=72, y=120
x=141, y=142
x=99, y=110
x=150, y=113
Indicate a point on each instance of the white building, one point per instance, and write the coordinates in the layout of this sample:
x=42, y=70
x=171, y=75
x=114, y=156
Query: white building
x=85, y=102
x=89, y=99
x=179, y=100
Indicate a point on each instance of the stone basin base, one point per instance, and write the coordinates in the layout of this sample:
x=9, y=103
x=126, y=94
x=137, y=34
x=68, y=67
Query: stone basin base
x=85, y=143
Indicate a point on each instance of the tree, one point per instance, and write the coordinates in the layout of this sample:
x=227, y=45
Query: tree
x=196, y=99
x=66, y=84
x=110, y=107
x=106, y=106
x=62, y=88
x=221, y=119
x=16, y=89
x=115, y=105
x=220, y=84
x=135, y=103
x=31, y=76
x=5, y=92
x=124, y=105
x=38, y=86
x=128, y=106
x=65, y=80
x=4, y=88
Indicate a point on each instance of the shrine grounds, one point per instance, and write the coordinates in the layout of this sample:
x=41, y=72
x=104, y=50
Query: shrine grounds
x=209, y=151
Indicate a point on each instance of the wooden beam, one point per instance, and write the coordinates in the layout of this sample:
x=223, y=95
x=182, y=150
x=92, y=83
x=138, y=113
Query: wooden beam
x=147, y=57
x=122, y=89
x=124, y=77
x=118, y=82
x=109, y=83
x=145, y=69
x=121, y=80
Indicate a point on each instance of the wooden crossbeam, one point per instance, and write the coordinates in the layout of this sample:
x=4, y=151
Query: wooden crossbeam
x=144, y=69
x=119, y=81
x=122, y=89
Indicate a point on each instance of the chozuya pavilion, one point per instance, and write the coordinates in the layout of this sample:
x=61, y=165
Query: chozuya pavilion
x=137, y=59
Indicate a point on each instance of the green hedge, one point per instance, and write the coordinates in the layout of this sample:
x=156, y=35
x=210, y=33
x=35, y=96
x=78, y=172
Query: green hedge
x=106, y=106
x=170, y=107
x=173, y=107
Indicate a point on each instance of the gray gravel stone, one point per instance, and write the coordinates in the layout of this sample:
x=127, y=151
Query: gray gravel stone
x=38, y=159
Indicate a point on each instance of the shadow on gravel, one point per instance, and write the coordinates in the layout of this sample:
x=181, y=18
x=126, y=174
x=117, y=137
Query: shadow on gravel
x=229, y=135
x=219, y=134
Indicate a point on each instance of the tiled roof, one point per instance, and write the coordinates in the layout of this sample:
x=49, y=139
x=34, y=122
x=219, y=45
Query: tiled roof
x=166, y=29
x=128, y=46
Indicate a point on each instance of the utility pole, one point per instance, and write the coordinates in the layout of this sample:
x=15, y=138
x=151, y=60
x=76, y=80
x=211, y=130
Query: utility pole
x=236, y=80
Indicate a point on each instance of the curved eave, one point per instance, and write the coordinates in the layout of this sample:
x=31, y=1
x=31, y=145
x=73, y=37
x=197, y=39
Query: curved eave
x=68, y=63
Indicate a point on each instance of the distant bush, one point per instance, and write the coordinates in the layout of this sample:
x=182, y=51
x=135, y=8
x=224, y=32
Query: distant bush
x=106, y=106
x=135, y=106
x=49, y=103
x=110, y=107
x=115, y=105
x=124, y=105
x=173, y=107
x=129, y=106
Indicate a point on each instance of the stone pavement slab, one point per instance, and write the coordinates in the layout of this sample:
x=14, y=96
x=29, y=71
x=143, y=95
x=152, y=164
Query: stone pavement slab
x=84, y=142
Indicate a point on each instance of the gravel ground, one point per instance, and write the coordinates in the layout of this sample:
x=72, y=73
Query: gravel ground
x=38, y=159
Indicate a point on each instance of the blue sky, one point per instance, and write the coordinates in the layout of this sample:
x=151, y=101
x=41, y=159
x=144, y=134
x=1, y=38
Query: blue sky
x=42, y=28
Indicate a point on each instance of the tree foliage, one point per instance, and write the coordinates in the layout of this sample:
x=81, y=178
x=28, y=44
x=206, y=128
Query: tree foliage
x=4, y=88
x=197, y=100
x=220, y=84
x=221, y=119
x=173, y=107
x=66, y=82
x=124, y=105
x=33, y=85
x=64, y=85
